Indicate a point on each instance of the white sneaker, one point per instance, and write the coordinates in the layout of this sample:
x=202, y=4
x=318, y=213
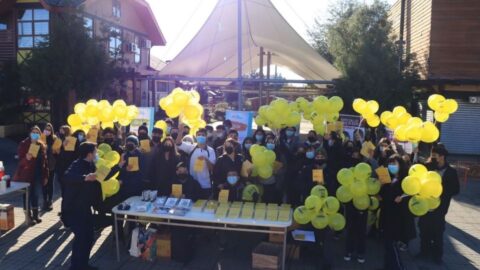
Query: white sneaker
x=347, y=257
x=360, y=259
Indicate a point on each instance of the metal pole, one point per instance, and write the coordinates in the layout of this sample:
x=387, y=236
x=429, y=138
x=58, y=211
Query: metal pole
x=239, y=58
x=402, y=29
x=269, y=62
x=261, y=75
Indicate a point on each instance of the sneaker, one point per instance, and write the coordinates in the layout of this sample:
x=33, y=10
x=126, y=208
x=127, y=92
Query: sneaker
x=360, y=259
x=402, y=246
x=348, y=257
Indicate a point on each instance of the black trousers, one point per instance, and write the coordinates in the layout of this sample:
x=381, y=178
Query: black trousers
x=356, y=230
x=431, y=235
x=48, y=189
x=82, y=242
x=392, y=259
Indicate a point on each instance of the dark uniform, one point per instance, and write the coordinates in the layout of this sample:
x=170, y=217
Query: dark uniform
x=432, y=225
x=78, y=199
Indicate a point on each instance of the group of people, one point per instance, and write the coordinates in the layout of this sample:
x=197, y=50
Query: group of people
x=213, y=159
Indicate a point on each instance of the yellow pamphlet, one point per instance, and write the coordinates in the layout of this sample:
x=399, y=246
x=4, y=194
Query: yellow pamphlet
x=383, y=175
x=145, y=145
x=223, y=196
x=57, y=144
x=198, y=166
x=317, y=176
x=133, y=164
x=34, y=149
x=70, y=143
x=177, y=190
x=260, y=214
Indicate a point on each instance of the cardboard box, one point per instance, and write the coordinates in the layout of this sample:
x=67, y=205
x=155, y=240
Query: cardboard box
x=275, y=238
x=164, y=245
x=7, y=218
x=267, y=256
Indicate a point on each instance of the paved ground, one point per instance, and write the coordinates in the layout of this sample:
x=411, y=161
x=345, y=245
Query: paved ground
x=47, y=245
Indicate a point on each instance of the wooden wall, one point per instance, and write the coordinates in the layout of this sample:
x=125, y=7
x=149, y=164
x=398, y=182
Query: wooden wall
x=7, y=39
x=455, y=39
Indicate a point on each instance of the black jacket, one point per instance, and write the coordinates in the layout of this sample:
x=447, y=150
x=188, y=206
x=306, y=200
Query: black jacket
x=225, y=164
x=191, y=188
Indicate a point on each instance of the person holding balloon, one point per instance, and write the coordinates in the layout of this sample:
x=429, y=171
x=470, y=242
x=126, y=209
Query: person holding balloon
x=110, y=137
x=272, y=192
x=247, y=143
x=332, y=144
x=201, y=159
x=259, y=136
x=432, y=224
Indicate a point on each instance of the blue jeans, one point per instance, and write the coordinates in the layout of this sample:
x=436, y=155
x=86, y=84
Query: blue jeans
x=34, y=190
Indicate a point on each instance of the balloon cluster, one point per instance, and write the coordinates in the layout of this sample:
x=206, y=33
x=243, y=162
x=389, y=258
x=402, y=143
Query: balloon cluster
x=358, y=186
x=107, y=158
x=263, y=160
x=442, y=107
x=324, y=110
x=321, y=210
x=368, y=110
x=279, y=114
x=186, y=106
x=408, y=128
x=95, y=112
x=425, y=187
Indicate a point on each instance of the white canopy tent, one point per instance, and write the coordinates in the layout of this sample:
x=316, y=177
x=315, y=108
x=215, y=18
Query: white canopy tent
x=213, y=52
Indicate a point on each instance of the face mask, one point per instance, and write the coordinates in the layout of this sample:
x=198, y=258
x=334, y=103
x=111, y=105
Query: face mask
x=142, y=136
x=248, y=145
x=270, y=146
x=47, y=132
x=310, y=154
x=221, y=134
x=156, y=139
x=312, y=139
x=229, y=150
x=209, y=134
x=81, y=138
x=174, y=135
x=108, y=140
x=290, y=133
x=259, y=138
x=201, y=139
x=182, y=176
x=167, y=147
x=330, y=143
x=232, y=180
x=61, y=136
x=35, y=136
x=130, y=147
x=433, y=164
x=393, y=169
x=96, y=158
x=169, y=129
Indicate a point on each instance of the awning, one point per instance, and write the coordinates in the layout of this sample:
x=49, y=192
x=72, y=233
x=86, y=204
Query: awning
x=213, y=50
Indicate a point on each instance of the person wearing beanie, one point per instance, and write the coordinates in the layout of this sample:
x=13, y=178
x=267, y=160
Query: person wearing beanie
x=110, y=137
x=132, y=166
x=33, y=169
x=143, y=132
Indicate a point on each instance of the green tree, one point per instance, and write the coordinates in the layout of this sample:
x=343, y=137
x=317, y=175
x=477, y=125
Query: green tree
x=358, y=40
x=10, y=91
x=69, y=63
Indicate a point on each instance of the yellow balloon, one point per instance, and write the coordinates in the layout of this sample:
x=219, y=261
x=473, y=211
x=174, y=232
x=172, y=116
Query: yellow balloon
x=450, y=106
x=112, y=156
x=193, y=111
x=400, y=133
x=358, y=188
x=373, y=121
x=433, y=176
x=441, y=117
x=74, y=120
x=320, y=221
x=345, y=176
x=312, y=202
x=331, y=205
x=173, y=111
x=362, y=171
x=433, y=203
x=372, y=106
x=132, y=112
x=399, y=110
x=411, y=185
x=392, y=122
x=384, y=116
x=336, y=103
x=336, y=222
x=302, y=215
x=319, y=191
x=180, y=99
x=107, y=125
x=373, y=186
x=361, y=202
x=374, y=203
x=105, y=148
x=414, y=133
x=417, y=170
x=79, y=108
x=403, y=118
x=430, y=132
x=431, y=189
x=418, y=205
x=120, y=103
x=434, y=101
x=359, y=105
x=102, y=104
x=343, y=194
x=414, y=121
x=120, y=111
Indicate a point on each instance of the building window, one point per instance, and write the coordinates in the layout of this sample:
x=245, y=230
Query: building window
x=3, y=23
x=88, y=22
x=33, y=27
x=115, y=42
x=137, y=51
x=116, y=9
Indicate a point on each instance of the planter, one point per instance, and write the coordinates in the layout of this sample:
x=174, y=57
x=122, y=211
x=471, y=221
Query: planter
x=12, y=130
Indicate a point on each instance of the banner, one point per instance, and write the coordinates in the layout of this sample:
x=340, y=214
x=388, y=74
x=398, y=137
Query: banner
x=145, y=115
x=242, y=122
x=351, y=123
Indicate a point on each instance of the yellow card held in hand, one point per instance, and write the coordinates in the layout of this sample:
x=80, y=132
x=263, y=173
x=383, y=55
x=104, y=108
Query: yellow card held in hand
x=92, y=134
x=133, y=164
x=365, y=151
x=317, y=175
x=102, y=172
x=177, y=190
x=198, y=166
x=34, y=149
x=223, y=195
x=331, y=127
x=70, y=143
x=145, y=145
x=246, y=168
x=57, y=144
x=383, y=175
x=339, y=126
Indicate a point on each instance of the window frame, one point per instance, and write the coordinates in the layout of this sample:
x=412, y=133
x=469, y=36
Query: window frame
x=116, y=9
x=90, y=31
x=137, y=51
x=32, y=22
x=117, y=40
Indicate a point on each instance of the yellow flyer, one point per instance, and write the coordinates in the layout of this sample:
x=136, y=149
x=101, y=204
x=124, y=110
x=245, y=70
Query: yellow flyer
x=260, y=214
x=284, y=215
x=34, y=149
x=198, y=166
x=102, y=172
x=317, y=176
x=246, y=168
x=70, y=143
x=145, y=145
x=57, y=144
x=92, y=134
x=383, y=175
x=177, y=190
x=133, y=164
x=223, y=196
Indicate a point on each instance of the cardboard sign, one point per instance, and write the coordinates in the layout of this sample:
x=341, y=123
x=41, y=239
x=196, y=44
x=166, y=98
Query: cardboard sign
x=145, y=145
x=177, y=190
x=247, y=167
x=43, y=138
x=133, y=164
x=102, y=173
x=272, y=214
x=34, y=149
x=70, y=143
x=383, y=175
x=57, y=144
x=223, y=196
x=198, y=166
x=92, y=134
x=317, y=176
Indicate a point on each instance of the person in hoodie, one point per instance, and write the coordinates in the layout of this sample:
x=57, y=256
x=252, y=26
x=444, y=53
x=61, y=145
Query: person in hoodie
x=52, y=155
x=312, y=139
x=131, y=178
x=110, y=137
x=66, y=157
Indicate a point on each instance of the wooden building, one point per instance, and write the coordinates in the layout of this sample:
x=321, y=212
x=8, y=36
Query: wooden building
x=129, y=27
x=444, y=35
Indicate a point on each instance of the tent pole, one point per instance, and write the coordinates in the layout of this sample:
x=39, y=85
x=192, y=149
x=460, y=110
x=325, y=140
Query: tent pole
x=261, y=75
x=239, y=59
x=269, y=62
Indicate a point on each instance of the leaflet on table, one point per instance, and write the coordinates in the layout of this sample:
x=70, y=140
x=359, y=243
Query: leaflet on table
x=222, y=210
x=199, y=205
x=210, y=207
x=247, y=211
x=234, y=212
x=160, y=202
x=171, y=202
x=185, y=204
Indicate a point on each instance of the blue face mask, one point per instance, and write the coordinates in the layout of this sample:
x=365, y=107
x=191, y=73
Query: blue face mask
x=35, y=136
x=270, y=146
x=393, y=169
x=310, y=154
x=81, y=138
x=201, y=139
x=232, y=180
x=290, y=133
x=169, y=129
x=248, y=145
x=259, y=138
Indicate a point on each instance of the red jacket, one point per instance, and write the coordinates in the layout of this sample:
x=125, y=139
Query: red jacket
x=26, y=168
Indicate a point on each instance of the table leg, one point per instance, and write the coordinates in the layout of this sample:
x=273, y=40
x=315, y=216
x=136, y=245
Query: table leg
x=284, y=254
x=27, y=206
x=116, y=236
